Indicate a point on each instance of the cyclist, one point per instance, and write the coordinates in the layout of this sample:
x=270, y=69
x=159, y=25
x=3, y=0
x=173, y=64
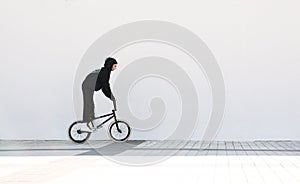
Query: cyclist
x=95, y=81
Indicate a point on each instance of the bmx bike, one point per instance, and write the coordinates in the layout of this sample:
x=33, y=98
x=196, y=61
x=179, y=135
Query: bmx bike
x=118, y=131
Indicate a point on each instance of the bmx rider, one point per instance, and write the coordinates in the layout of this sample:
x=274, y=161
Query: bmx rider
x=95, y=81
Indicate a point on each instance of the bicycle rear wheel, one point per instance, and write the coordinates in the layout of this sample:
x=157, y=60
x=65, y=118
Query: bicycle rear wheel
x=119, y=131
x=76, y=132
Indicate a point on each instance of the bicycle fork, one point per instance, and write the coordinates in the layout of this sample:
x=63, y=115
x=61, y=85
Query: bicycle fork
x=119, y=130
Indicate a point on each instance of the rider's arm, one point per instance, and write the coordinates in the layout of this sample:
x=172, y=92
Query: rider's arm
x=104, y=78
x=106, y=90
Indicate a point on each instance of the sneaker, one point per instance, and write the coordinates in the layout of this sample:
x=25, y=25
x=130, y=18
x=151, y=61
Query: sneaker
x=92, y=125
x=85, y=128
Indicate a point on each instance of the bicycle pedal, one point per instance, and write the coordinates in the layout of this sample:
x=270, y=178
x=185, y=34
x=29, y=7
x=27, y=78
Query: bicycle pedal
x=92, y=129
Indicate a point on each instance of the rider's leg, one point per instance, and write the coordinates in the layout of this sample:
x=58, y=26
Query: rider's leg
x=88, y=103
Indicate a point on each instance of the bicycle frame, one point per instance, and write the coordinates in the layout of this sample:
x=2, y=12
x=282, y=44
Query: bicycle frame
x=112, y=115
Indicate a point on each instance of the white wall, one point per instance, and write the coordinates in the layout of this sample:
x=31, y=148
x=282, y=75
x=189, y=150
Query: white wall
x=256, y=44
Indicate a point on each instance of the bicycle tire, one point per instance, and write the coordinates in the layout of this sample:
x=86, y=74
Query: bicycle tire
x=112, y=128
x=85, y=135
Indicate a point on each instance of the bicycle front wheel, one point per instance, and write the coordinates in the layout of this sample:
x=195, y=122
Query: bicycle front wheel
x=119, y=131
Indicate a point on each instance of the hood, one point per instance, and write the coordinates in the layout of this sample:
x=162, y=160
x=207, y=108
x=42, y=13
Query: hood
x=109, y=62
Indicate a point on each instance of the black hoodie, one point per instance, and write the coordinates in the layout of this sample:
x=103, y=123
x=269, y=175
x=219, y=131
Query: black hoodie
x=103, y=77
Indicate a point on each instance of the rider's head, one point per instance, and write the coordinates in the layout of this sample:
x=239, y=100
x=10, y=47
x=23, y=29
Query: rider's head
x=110, y=64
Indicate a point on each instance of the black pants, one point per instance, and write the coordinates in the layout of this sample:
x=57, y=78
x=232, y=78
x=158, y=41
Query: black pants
x=88, y=103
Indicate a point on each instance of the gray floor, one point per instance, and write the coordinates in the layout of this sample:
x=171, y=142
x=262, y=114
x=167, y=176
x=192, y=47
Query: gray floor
x=147, y=148
x=213, y=162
